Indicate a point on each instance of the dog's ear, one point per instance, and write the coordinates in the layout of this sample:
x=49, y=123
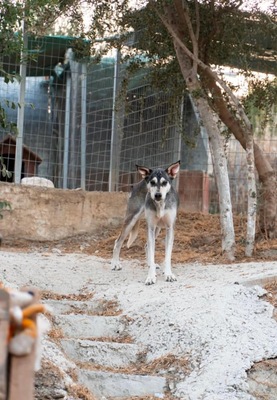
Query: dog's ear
x=173, y=169
x=144, y=172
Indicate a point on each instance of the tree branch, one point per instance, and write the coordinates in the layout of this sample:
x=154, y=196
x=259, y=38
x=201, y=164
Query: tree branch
x=206, y=68
x=197, y=17
x=232, y=123
x=182, y=8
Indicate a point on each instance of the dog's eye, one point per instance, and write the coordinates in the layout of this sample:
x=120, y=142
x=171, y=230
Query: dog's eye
x=153, y=183
x=164, y=183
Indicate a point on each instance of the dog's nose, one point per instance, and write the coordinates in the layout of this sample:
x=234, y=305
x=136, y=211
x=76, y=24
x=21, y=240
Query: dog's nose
x=158, y=196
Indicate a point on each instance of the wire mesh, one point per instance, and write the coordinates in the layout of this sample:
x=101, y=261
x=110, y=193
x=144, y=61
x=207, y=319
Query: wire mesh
x=77, y=134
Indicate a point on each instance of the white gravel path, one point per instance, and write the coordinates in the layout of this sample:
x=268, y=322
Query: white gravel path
x=213, y=313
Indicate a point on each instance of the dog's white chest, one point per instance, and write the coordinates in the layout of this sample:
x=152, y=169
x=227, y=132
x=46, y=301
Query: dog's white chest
x=160, y=210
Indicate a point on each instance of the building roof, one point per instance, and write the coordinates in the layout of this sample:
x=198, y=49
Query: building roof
x=10, y=141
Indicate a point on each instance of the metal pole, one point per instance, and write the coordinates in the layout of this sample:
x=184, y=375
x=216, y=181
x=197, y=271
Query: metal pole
x=66, y=130
x=115, y=140
x=179, y=139
x=20, y=110
x=83, y=125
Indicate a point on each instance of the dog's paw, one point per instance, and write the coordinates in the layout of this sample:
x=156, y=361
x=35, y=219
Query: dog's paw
x=170, y=278
x=150, y=280
x=116, y=266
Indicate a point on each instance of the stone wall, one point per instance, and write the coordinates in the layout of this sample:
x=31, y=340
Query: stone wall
x=40, y=213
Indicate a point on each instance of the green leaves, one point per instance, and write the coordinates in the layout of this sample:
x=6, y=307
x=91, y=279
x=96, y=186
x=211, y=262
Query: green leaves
x=261, y=103
x=4, y=206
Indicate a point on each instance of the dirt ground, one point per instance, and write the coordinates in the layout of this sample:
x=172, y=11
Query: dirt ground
x=197, y=239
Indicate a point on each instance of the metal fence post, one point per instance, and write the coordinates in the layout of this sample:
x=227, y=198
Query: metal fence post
x=21, y=108
x=115, y=136
x=178, y=140
x=66, y=130
x=83, y=125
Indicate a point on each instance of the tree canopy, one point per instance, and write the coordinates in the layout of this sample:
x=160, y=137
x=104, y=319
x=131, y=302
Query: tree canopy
x=230, y=33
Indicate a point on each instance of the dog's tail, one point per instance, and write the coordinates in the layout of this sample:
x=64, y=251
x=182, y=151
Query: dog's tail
x=133, y=234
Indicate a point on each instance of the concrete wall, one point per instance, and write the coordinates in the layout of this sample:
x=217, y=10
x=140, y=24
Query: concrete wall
x=40, y=213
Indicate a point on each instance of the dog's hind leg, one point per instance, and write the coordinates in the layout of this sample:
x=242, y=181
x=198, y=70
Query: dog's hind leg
x=157, y=232
x=151, y=277
x=135, y=208
x=129, y=223
x=133, y=235
x=169, y=276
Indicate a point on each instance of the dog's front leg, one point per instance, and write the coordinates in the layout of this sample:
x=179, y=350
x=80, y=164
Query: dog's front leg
x=169, y=276
x=151, y=278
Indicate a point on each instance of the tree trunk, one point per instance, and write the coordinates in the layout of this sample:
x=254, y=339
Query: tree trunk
x=252, y=196
x=220, y=162
x=267, y=177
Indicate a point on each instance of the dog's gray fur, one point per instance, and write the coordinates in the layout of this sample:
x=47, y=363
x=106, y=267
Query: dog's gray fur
x=155, y=196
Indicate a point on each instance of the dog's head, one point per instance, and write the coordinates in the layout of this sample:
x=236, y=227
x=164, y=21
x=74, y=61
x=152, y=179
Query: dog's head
x=159, y=180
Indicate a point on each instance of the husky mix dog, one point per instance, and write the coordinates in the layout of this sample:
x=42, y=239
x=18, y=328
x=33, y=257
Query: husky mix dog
x=157, y=198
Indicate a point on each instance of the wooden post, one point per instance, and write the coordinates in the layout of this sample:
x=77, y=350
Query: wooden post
x=22, y=374
x=4, y=331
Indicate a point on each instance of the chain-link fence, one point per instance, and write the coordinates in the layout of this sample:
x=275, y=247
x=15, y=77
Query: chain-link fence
x=77, y=133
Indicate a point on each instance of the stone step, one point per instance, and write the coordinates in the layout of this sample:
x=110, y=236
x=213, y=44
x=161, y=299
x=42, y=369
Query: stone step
x=92, y=307
x=106, y=384
x=81, y=344
x=106, y=354
x=71, y=306
x=90, y=327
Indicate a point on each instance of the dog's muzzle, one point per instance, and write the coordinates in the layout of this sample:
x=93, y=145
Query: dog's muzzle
x=158, y=196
